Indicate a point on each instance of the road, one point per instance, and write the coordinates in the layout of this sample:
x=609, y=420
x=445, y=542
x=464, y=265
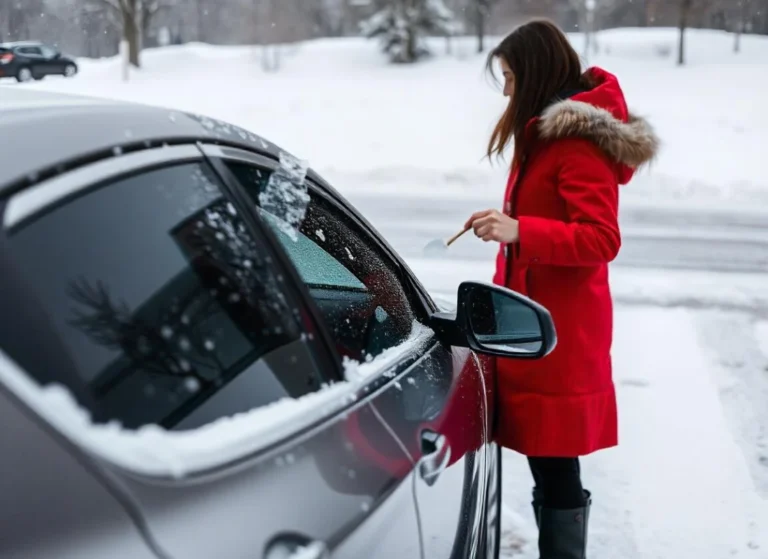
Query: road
x=712, y=240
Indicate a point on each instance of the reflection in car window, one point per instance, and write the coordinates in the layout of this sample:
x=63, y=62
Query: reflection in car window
x=356, y=289
x=171, y=310
x=47, y=52
x=35, y=51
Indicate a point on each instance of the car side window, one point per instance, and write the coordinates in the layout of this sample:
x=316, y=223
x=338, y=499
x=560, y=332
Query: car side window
x=47, y=52
x=172, y=311
x=355, y=288
x=32, y=51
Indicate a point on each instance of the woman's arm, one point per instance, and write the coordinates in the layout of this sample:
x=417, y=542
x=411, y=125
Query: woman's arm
x=587, y=183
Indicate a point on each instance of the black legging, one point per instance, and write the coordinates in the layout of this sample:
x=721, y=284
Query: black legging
x=558, y=482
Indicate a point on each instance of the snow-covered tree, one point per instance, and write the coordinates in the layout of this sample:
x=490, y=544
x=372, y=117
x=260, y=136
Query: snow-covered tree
x=403, y=26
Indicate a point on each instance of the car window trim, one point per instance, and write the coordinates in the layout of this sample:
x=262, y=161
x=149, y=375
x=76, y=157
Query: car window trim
x=421, y=301
x=331, y=365
x=46, y=195
x=218, y=155
x=426, y=305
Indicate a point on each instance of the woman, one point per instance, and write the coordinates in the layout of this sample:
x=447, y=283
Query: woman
x=575, y=142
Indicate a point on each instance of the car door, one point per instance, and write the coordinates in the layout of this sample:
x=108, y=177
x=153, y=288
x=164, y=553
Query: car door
x=239, y=437
x=51, y=60
x=39, y=65
x=436, y=405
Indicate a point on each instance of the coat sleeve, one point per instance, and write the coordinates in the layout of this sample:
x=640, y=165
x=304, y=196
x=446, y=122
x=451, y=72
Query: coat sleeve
x=587, y=183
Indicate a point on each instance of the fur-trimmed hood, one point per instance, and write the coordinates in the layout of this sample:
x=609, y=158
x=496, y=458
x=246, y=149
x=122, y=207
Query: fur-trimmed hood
x=600, y=115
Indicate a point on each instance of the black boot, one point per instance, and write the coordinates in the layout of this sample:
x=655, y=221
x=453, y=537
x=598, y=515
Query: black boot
x=563, y=533
x=538, y=500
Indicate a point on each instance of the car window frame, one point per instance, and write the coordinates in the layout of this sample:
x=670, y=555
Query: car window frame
x=35, y=201
x=422, y=304
x=418, y=297
x=39, y=54
x=30, y=203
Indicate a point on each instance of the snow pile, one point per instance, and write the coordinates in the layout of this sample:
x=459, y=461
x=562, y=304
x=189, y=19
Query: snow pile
x=152, y=450
x=423, y=127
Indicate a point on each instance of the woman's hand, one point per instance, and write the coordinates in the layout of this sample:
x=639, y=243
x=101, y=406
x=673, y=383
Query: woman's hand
x=492, y=225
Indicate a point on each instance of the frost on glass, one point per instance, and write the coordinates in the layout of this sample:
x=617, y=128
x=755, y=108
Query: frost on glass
x=286, y=196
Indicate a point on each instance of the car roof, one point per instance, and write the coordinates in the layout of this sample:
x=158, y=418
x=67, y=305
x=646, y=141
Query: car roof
x=49, y=132
x=22, y=44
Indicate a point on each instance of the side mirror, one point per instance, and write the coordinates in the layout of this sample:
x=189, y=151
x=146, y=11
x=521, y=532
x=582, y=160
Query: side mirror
x=493, y=320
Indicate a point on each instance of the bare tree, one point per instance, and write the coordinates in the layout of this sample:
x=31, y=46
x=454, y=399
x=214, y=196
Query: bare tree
x=741, y=23
x=685, y=10
x=482, y=9
x=16, y=18
x=134, y=18
x=327, y=16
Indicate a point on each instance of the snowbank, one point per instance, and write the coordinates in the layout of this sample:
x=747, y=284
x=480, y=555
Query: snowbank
x=154, y=451
x=374, y=125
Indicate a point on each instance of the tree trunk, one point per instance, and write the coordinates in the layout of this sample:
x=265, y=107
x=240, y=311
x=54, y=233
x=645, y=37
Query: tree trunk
x=685, y=6
x=765, y=17
x=131, y=33
x=410, y=45
x=200, y=26
x=741, y=26
x=480, y=24
x=650, y=12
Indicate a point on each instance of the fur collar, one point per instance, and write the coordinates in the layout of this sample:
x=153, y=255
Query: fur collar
x=633, y=143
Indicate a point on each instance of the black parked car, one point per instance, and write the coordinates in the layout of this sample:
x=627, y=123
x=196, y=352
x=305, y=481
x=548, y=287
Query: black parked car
x=31, y=60
x=262, y=374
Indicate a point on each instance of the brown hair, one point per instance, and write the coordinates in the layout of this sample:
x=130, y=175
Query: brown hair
x=544, y=64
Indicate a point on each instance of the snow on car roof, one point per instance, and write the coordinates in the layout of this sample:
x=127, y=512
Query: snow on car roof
x=41, y=125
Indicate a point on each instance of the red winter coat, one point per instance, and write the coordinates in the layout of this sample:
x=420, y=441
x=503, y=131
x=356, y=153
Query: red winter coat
x=566, y=199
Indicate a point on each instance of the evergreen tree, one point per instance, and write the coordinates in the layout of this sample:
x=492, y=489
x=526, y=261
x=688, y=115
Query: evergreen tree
x=404, y=25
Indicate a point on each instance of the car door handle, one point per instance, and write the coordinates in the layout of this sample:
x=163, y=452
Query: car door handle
x=293, y=546
x=435, y=455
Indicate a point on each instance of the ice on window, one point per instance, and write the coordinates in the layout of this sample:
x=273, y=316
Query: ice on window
x=285, y=195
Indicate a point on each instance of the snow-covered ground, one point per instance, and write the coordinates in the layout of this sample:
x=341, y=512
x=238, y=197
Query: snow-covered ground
x=690, y=479
x=422, y=129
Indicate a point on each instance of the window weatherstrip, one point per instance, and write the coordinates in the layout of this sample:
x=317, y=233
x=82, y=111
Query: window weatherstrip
x=236, y=154
x=39, y=197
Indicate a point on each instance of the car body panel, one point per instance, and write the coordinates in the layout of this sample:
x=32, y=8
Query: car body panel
x=355, y=479
x=317, y=488
x=56, y=504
